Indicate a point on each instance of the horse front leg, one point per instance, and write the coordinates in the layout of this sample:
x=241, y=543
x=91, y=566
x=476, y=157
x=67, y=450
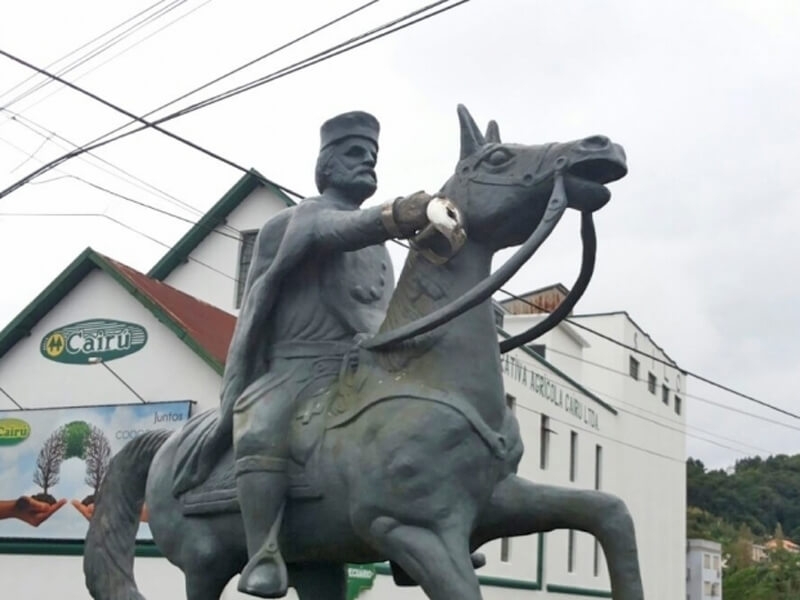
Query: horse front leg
x=520, y=507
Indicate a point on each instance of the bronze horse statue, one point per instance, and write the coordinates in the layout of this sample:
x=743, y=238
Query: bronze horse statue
x=366, y=488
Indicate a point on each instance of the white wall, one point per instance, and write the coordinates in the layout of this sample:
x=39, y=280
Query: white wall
x=164, y=369
x=222, y=253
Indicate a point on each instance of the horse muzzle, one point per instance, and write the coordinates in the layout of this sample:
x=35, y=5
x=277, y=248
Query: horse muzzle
x=586, y=177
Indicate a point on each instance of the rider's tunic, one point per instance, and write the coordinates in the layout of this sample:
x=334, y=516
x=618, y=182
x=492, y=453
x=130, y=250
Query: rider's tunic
x=323, y=304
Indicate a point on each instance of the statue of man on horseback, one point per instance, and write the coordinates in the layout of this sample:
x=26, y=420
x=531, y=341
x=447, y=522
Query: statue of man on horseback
x=428, y=384
x=319, y=276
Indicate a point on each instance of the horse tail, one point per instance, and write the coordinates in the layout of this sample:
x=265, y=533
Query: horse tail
x=111, y=540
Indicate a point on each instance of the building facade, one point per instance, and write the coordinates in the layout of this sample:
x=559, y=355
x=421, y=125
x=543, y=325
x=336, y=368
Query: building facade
x=593, y=415
x=703, y=570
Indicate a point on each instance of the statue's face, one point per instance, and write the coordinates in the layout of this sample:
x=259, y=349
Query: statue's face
x=352, y=168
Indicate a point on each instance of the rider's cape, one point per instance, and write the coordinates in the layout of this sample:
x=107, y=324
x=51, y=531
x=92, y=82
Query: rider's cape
x=280, y=246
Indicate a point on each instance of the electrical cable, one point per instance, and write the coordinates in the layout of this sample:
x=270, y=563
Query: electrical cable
x=95, y=52
x=96, y=143
x=120, y=53
x=252, y=62
x=81, y=47
x=124, y=112
x=658, y=360
x=7, y=395
x=533, y=368
x=129, y=199
x=48, y=134
x=121, y=224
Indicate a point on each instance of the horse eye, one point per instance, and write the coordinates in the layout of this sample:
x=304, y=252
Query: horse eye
x=498, y=157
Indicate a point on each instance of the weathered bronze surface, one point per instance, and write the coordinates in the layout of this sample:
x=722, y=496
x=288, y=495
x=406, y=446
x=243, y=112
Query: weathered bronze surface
x=357, y=424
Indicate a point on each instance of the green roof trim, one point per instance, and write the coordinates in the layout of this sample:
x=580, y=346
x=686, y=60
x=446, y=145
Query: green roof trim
x=87, y=261
x=180, y=252
x=64, y=547
x=560, y=373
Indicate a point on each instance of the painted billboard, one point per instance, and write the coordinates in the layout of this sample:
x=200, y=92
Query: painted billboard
x=53, y=461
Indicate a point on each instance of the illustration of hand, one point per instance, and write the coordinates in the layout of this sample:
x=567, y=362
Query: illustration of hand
x=31, y=511
x=87, y=510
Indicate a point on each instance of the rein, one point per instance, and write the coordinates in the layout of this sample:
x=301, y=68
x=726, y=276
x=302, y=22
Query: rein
x=556, y=206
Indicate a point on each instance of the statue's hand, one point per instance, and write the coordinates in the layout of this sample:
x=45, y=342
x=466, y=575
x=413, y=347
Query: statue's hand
x=410, y=212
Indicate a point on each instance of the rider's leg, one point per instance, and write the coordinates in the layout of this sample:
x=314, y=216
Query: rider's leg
x=261, y=446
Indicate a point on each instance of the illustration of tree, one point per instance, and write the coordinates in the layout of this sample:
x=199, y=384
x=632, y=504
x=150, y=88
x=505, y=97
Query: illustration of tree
x=48, y=464
x=97, y=453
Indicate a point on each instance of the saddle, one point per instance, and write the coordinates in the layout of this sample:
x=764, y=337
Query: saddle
x=344, y=401
x=217, y=494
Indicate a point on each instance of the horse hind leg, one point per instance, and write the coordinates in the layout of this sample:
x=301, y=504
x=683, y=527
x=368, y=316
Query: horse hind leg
x=520, y=507
x=205, y=584
x=441, y=564
x=319, y=581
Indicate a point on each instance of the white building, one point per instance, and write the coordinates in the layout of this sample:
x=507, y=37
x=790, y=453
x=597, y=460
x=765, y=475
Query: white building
x=703, y=570
x=590, y=412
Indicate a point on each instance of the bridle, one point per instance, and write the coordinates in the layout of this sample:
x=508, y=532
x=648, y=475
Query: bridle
x=554, y=210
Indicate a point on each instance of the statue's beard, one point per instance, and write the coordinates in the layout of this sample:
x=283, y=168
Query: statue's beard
x=358, y=190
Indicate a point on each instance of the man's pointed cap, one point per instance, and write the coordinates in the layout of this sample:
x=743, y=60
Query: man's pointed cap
x=356, y=123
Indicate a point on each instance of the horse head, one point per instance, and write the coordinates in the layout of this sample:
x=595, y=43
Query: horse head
x=503, y=189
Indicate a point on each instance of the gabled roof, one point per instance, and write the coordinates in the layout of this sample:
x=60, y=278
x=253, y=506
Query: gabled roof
x=180, y=252
x=206, y=329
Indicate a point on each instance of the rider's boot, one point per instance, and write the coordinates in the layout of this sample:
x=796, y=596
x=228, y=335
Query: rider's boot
x=262, y=497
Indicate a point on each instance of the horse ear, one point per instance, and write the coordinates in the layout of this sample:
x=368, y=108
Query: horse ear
x=471, y=137
x=493, y=133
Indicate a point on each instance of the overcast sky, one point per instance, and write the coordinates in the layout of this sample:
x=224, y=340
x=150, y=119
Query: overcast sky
x=699, y=243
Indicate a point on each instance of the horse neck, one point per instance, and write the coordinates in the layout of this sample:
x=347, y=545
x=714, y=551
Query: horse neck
x=462, y=355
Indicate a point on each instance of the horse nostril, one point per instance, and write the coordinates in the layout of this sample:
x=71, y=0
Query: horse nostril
x=596, y=142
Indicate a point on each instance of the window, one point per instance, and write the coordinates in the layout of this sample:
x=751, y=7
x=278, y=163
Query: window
x=677, y=405
x=706, y=561
x=540, y=349
x=571, y=551
x=499, y=315
x=651, y=383
x=505, y=550
x=716, y=562
x=598, y=466
x=544, y=442
x=633, y=368
x=665, y=394
x=573, y=455
x=706, y=588
x=245, y=257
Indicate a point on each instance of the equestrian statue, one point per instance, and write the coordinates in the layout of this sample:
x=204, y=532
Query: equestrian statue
x=339, y=388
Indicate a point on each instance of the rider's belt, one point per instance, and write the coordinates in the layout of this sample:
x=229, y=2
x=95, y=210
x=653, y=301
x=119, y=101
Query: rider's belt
x=308, y=349
x=250, y=464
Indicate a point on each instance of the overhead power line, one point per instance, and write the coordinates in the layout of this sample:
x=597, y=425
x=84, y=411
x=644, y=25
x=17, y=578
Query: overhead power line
x=668, y=425
x=113, y=106
x=106, y=45
x=121, y=196
x=100, y=141
x=81, y=47
x=121, y=224
x=659, y=360
x=121, y=52
x=118, y=172
x=7, y=395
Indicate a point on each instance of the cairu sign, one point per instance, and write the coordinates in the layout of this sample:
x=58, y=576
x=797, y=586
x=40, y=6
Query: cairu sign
x=13, y=432
x=103, y=339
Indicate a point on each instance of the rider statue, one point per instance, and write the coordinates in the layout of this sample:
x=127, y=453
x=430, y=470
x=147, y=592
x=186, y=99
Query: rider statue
x=319, y=277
